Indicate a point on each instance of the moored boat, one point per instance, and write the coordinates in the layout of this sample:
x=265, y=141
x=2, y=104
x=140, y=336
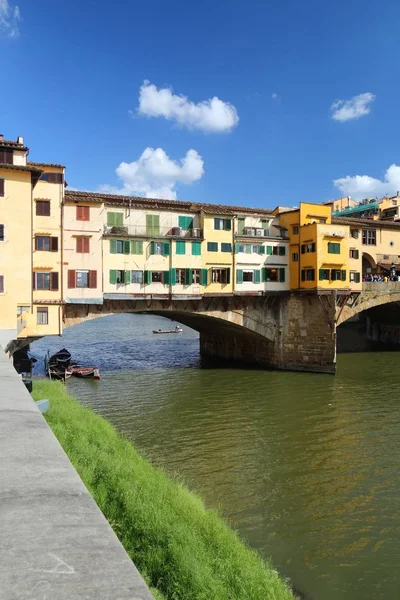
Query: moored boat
x=86, y=372
x=176, y=330
x=59, y=373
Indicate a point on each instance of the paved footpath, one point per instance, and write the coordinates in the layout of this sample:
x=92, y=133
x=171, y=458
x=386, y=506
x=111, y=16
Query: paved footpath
x=55, y=543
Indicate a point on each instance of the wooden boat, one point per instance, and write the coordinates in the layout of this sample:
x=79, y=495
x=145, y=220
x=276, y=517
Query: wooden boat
x=176, y=330
x=79, y=371
x=59, y=373
x=62, y=358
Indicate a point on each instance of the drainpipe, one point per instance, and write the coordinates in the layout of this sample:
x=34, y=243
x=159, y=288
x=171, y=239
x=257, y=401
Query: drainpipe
x=61, y=308
x=234, y=221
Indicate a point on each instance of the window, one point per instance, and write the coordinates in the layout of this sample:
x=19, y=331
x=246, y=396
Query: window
x=1, y=284
x=23, y=308
x=180, y=276
x=153, y=225
x=354, y=253
x=241, y=223
x=156, y=277
x=354, y=233
x=212, y=246
x=2, y=188
x=185, y=222
x=45, y=281
x=322, y=221
x=160, y=248
x=137, y=277
x=333, y=248
x=119, y=276
x=338, y=275
x=2, y=233
x=369, y=237
x=306, y=248
x=308, y=275
x=222, y=224
x=226, y=247
x=46, y=243
x=295, y=229
x=270, y=275
x=82, y=245
x=324, y=275
x=52, y=177
x=83, y=213
x=220, y=275
x=248, y=276
x=196, y=276
x=180, y=248
x=295, y=256
x=42, y=315
x=196, y=248
x=136, y=247
x=82, y=279
x=354, y=277
x=6, y=157
x=115, y=219
x=43, y=208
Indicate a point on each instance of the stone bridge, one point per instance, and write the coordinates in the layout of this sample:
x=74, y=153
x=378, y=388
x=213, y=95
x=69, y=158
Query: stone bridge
x=372, y=295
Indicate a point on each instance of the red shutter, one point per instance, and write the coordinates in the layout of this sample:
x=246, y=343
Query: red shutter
x=79, y=213
x=71, y=279
x=79, y=244
x=54, y=244
x=34, y=281
x=92, y=279
x=54, y=281
x=86, y=213
x=86, y=247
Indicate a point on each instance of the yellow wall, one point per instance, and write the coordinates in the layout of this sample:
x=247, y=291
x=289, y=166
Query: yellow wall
x=218, y=259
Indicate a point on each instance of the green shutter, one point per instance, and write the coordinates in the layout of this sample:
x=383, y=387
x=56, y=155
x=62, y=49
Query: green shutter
x=357, y=278
x=196, y=248
x=152, y=247
x=241, y=226
x=257, y=276
x=188, y=276
x=227, y=224
x=165, y=249
x=264, y=223
x=321, y=274
x=147, y=277
x=343, y=275
x=282, y=275
x=113, y=246
x=172, y=278
x=247, y=248
x=264, y=274
x=204, y=277
x=166, y=277
x=127, y=277
x=136, y=247
x=153, y=225
x=110, y=219
x=269, y=249
x=113, y=276
x=303, y=275
x=239, y=276
x=126, y=247
x=357, y=254
x=237, y=246
x=282, y=250
x=185, y=222
x=180, y=247
x=119, y=219
x=261, y=249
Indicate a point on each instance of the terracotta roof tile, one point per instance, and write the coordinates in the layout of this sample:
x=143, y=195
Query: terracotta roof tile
x=12, y=144
x=21, y=168
x=37, y=164
x=366, y=223
x=212, y=209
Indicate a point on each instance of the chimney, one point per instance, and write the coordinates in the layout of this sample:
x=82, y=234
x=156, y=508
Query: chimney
x=20, y=140
x=1, y=137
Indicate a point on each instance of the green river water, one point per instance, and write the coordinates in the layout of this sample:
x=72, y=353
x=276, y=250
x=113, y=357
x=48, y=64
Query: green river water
x=304, y=466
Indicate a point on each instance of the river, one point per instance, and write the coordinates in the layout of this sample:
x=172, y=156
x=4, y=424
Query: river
x=304, y=466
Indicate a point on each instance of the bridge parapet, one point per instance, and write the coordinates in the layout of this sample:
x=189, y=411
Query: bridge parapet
x=375, y=293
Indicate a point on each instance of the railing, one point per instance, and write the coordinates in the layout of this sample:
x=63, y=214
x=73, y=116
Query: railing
x=257, y=232
x=153, y=232
x=381, y=286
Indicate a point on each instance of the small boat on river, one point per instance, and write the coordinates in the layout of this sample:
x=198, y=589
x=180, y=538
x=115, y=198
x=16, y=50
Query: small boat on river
x=176, y=330
x=86, y=372
x=59, y=373
x=60, y=366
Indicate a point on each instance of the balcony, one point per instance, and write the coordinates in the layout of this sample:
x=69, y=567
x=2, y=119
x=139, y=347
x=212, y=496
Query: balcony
x=259, y=232
x=141, y=231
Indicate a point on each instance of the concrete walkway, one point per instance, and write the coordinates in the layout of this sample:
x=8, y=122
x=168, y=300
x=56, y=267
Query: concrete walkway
x=55, y=544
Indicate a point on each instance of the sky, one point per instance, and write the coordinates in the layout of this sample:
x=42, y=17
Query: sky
x=253, y=103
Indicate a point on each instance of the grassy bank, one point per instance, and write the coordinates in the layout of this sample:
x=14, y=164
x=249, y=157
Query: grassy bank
x=184, y=551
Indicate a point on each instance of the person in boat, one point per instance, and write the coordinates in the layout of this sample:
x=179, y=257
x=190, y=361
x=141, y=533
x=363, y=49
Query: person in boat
x=177, y=328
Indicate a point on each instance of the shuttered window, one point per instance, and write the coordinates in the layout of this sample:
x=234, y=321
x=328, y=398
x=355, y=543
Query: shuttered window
x=180, y=247
x=83, y=245
x=42, y=315
x=282, y=250
x=153, y=225
x=83, y=213
x=185, y=222
x=115, y=219
x=2, y=233
x=136, y=247
x=226, y=247
x=83, y=279
x=137, y=277
x=162, y=248
x=2, y=188
x=225, y=224
x=333, y=248
x=212, y=246
x=43, y=208
x=52, y=177
x=241, y=226
x=204, y=277
x=45, y=281
x=1, y=284
x=6, y=157
x=196, y=248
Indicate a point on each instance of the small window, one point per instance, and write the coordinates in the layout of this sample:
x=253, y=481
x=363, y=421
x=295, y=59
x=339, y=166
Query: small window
x=136, y=247
x=333, y=248
x=308, y=275
x=52, y=177
x=185, y=222
x=369, y=237
x=82, y=279
x=152, y=225
x=42, y=315
x=45, y=281
x=119, y=247
x=156, y=277
x=180, y=247
x=2, y=188
x=295, y=229
x=115, y=219
x=248, y=276
x=2, y=233
x=212, y=246
x=158, y=247
x=306, y=248
x=42, y=243
x=322, y=221
x=82, y=245
x=43, y=208
x=23, y=308
x=180, y=276
x=196, y=275
x=6, y=157
x=1, y=284
x=83, y=213
x=196, y=248
x=295, y=256
x=271, y=274
x=226, y=247
x=354, y=253
x=324, y=274
x=220, y=276
x=120, y=276
x=354, y=233
x=221, y=224
x=137, y=277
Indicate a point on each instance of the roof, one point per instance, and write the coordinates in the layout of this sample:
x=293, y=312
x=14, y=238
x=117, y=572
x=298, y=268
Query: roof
x=37, y=164
x=378, y=223
x=12, y=144
x=138, y=202
x=21, y=168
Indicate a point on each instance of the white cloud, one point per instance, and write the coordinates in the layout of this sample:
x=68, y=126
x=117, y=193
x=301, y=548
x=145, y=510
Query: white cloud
x=211, y=115
x=9, y=19
x=364, y=186
x=356, y=107
x=275, y=96
x=155, y=175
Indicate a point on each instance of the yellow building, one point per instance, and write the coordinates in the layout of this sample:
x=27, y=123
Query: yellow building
x=319, y=250
x=217, y=257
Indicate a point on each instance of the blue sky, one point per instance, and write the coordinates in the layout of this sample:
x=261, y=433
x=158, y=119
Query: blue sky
x=73, y=74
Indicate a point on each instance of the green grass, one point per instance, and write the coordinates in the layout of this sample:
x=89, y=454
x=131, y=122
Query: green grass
x=183, y=550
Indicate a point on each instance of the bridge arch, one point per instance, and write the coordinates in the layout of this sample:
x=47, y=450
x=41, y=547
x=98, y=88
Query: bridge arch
x=379, y=295
x=368, y=263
